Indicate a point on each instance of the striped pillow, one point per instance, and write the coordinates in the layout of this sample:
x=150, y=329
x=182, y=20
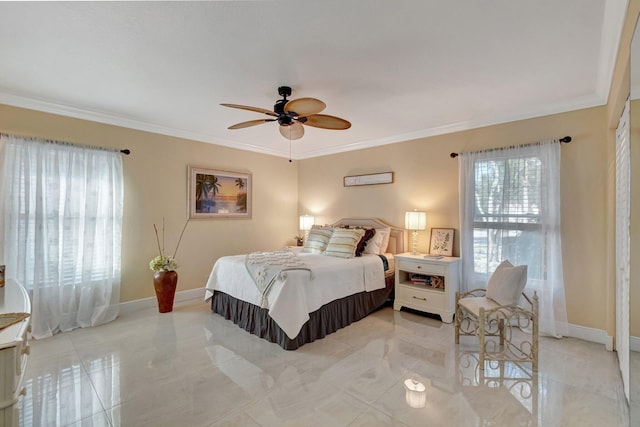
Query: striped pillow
x=317, y=241
x=343, y=242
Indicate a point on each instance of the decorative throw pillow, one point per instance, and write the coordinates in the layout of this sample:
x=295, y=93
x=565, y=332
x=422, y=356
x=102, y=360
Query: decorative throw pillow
x=343, y=242
x=507, y=283
x=386, y=233
x=374, y=244
x=379, y=242
x=368, y=234
x=318, y=239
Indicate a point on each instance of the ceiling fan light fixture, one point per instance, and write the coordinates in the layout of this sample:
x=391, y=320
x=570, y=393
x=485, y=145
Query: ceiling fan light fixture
x=292, y=131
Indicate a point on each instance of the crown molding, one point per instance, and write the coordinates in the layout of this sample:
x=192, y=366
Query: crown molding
x=110, y=119
x=70, y=111
x=582, y=103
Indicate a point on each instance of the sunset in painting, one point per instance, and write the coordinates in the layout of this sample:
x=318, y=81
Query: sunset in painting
x=220, y=194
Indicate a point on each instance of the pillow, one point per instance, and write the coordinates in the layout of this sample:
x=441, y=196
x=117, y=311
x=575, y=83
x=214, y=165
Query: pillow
x=378, y=244
x=343, y=242
x=318, y=238
x=368, y=234
x=507, y=283
x=373, y=245
x=385, y=241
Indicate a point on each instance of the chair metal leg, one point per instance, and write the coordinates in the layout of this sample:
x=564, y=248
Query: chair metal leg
x=534, y=338
x=481, y=320
x=457, y=320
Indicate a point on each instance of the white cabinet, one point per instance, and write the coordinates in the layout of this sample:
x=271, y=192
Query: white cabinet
x=14, y=349
x=427, y=284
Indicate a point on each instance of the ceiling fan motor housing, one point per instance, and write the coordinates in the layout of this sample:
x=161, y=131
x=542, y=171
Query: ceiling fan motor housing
x=284, y=118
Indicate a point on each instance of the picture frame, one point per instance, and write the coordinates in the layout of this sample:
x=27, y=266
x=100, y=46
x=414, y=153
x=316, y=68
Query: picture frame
x=215, y=193
x=441, y=241
x=368, y=179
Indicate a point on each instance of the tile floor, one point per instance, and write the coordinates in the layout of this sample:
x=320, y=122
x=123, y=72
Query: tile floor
x=194, y=368
x=634, y=388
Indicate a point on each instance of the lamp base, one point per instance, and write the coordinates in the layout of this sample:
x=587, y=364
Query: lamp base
x=415, y=243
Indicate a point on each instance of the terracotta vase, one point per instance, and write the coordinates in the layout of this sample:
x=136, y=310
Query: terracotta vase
x=165, y=283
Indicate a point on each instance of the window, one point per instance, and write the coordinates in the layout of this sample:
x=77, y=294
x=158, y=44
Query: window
x=62, y=230
x=508, y=214
x=510, y=210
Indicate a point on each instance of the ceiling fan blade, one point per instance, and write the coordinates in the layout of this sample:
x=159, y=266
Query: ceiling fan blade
x=293, y=131
x=325, y=121
x=256, y=109
x=305, y=106
x=250, y=123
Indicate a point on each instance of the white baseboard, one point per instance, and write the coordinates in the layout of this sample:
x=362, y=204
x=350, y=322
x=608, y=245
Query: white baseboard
x=634, y=343
x=181, y=296
x=591, y=334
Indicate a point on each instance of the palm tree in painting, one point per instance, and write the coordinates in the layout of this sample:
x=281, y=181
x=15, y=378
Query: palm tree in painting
x=207, y=186
x=241, y=198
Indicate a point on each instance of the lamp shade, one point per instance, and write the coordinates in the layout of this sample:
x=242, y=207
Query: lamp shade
x=415, y=220
x=306, y=222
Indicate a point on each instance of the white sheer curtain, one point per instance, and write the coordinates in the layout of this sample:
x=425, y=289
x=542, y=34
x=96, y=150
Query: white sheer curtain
x=63, y=230
x=510, y=209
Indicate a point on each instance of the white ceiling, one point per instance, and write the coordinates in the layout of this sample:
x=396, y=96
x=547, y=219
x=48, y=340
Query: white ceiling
x=397, y=70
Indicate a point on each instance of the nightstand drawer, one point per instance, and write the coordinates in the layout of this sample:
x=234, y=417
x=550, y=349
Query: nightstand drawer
x=421, y=267
x=421, y=297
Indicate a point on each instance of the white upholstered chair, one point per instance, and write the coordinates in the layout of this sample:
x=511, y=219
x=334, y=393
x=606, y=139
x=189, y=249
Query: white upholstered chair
x=498, y=312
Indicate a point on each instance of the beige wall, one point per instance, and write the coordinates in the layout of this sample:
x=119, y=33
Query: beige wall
x=426, y=178
x=155, y=177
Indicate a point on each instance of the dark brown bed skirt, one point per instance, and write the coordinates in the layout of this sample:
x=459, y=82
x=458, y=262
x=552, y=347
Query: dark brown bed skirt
x=322, y=322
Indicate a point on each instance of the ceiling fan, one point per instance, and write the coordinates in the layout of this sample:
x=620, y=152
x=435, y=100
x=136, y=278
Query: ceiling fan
x=292, y=115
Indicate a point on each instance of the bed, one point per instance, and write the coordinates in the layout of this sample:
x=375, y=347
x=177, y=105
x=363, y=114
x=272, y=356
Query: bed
x=311, y=299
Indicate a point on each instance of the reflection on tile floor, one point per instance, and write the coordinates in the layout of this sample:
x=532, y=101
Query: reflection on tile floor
x=194, y=368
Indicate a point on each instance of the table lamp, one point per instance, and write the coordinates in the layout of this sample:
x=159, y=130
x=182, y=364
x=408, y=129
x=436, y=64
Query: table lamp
x=415, y=220
x=306, y=222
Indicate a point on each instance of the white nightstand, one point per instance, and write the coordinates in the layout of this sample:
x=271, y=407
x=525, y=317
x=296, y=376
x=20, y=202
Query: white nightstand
x=414, y=277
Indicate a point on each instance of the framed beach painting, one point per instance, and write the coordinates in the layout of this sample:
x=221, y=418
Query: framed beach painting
x=219, y=194
x=441, y=241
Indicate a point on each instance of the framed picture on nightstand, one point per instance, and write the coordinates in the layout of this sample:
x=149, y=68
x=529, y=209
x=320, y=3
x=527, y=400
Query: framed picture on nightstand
x=441, y=242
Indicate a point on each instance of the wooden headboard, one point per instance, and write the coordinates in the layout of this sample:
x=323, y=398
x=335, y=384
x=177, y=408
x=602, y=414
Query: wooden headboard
x=397, y=240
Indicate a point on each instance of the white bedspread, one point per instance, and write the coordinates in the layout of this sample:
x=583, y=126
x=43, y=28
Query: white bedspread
x=295, y=295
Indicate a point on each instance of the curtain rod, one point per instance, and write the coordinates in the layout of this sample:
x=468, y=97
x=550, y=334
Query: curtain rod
x=124, y=151
x=566, y=140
